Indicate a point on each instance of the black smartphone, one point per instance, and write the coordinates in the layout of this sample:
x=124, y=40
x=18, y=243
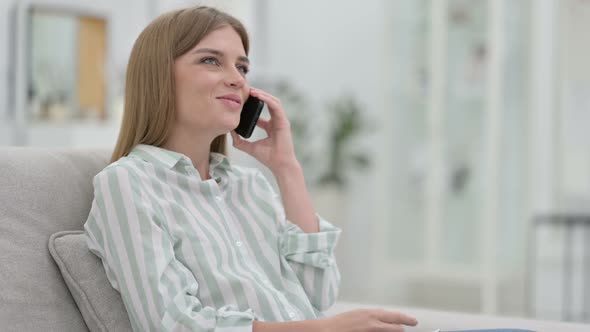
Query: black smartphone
x=249, y=116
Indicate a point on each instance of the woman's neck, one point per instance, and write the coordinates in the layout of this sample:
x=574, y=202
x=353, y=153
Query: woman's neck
x=196, y=148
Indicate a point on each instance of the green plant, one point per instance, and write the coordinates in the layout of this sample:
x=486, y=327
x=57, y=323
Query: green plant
x=347, y=124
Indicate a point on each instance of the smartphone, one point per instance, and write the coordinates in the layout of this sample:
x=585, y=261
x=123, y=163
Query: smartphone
x=249, y=116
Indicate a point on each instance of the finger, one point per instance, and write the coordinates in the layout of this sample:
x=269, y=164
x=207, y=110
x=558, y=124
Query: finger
x=386, y=327
x=393, y=317
x=274, y=105
x=239, y=143
x=267, y=94
x=394, y=328
x=245, y=145
x=263, y=94
x=264, y=124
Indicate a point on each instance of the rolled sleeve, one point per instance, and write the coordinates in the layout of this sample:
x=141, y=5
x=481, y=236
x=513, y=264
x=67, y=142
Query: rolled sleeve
x=314, y=249
x=311, y=255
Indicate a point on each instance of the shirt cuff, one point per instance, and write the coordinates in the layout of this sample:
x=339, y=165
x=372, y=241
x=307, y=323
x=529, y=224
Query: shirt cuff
x=315, y=249
x=230, y=319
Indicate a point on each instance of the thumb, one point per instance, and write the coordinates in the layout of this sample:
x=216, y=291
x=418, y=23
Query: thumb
x=241, y=144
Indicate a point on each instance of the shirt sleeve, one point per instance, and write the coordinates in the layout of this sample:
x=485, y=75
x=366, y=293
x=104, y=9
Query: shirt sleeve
x=158, y=291
x=310, y=255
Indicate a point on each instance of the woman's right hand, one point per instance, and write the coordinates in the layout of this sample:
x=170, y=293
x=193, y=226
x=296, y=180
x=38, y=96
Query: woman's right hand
x=368, y=320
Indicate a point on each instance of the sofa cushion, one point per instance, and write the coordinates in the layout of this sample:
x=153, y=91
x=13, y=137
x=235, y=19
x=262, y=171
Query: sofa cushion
x=42, y=191
x=101, y=305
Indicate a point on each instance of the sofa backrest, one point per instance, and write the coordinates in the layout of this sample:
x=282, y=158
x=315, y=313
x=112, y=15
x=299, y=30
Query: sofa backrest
x=42, y=191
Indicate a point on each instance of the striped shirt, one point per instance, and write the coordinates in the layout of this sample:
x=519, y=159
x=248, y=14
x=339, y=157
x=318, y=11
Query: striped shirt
x=188, y=254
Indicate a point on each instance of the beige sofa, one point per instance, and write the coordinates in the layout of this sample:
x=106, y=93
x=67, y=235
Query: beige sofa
x=44, y=191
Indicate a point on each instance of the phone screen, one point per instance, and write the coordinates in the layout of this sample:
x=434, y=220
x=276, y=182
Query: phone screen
x=249, y=116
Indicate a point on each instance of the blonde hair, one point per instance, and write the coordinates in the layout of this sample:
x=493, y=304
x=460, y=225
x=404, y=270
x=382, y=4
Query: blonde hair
x=150, y=100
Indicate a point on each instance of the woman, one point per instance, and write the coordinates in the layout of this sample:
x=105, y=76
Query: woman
x=191, y=241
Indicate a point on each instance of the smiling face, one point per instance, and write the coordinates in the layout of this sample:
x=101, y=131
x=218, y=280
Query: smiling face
x=211, y=85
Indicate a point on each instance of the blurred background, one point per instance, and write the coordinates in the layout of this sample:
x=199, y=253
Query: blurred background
x=448, y=138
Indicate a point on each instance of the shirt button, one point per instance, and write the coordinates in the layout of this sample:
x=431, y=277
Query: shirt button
x=218, y=198
x=291, y=315
x=239, y=243
x=327, y=262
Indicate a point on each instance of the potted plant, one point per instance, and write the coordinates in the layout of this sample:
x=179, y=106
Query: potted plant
x=346, y=125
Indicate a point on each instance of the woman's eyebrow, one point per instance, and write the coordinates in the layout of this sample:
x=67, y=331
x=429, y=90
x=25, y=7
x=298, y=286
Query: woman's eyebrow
x=219, y=53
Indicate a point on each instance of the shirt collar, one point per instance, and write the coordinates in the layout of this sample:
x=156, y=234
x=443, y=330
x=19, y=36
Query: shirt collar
x=218, y=160
x=169, y=159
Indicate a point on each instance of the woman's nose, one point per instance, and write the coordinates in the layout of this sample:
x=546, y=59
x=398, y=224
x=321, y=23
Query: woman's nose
x=235, y=79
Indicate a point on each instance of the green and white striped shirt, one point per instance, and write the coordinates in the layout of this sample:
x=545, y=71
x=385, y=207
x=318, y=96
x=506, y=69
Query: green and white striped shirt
x=213, y=255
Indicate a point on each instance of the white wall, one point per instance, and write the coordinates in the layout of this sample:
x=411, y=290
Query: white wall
x=327, y=48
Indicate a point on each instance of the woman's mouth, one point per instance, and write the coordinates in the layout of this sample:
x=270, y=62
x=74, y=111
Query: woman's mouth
x=232, y=101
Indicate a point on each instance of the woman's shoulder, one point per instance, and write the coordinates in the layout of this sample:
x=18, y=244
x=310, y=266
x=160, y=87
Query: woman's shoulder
x=127, y=165
x=252, y=175
x=227, y=164
x=248, y=172
x=244, y=170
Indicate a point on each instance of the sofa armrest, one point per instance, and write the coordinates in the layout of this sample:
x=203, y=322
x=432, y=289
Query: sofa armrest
x=430, y=320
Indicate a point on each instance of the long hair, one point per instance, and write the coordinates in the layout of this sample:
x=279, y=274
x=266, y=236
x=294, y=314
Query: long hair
x=150, y=100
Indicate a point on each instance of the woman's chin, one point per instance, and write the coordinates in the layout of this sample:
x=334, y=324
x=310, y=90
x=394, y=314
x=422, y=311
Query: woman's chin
x=228, y=128
x=233, y=125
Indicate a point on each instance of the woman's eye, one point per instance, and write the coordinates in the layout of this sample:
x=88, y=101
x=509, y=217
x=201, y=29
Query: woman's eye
x=210, y=61
x=243, y=69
